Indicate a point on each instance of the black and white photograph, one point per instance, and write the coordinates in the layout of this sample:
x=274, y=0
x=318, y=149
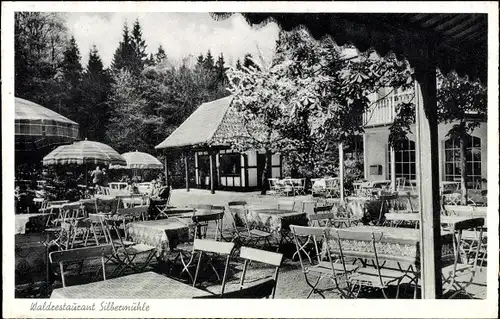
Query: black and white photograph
x=216, y=153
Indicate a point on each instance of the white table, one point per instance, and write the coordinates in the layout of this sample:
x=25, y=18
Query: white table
x=146, y=285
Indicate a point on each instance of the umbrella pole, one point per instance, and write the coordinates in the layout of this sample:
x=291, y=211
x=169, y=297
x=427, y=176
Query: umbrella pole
x=86, y=172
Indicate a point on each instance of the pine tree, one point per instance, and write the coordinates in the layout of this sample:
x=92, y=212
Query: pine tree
x=200, y=61
x=95, y=87
x=160, y=55
x=238, y=65
x=247, y=61
x=151, y=60
x=124, y=52
x=139, y=46
x=209, y=61
x=95, y=65
x=220, y=69
x=71, y=66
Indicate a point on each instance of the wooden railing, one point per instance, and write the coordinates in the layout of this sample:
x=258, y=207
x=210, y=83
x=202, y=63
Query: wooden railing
x=383, y=111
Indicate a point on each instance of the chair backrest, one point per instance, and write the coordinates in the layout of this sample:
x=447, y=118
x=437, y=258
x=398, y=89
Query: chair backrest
x=321, y=219
x=239, y=214
x=71, y=211
x=215, y=216
x=106, y=206
x=79, y=254
x=261, y=256
x=212, y=246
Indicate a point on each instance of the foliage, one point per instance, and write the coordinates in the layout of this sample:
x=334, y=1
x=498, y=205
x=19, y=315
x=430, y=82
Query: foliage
x=309, y=98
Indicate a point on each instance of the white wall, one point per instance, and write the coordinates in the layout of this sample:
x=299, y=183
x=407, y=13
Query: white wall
x=376, y=141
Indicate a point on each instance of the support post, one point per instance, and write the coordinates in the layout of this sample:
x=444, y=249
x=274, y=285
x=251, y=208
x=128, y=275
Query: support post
x=212, y=178
x=393, y=168
x=341, y=171
x=366, y=171
x=428, y=177
x=166, y=170
x=186, y=170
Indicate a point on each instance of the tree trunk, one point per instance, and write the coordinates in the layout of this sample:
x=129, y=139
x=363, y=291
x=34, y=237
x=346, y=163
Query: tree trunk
x=266, y=173
x=463, y=167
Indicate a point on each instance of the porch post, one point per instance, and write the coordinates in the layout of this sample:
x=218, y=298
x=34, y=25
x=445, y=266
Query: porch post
x=186, y=170
x=212, y=179
x=428, y=176
x=341, y=170
x=166, y=169
x=393, y=168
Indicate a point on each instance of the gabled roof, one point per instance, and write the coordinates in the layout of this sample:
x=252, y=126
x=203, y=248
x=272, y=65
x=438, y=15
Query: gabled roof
x=199, y=128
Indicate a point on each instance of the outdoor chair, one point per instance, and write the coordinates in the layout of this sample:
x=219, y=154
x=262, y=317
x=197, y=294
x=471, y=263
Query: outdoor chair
x=322, y=217
x=332, y=188
x=244, y=234
x=373, y=272
x=106, y=206
x=330, y=269
x=274, y=187
x=79, y=255
x=185, y=252
x=159, y=205
x=126, y=252
x=298, y=185
x=265, y=287
x=460, y=275
x=97, y=228
x=212, y=249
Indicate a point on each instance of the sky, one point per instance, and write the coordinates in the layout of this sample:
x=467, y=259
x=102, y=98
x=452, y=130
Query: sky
x=180, y=34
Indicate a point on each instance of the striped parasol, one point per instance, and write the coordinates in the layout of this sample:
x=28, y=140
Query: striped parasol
x=84, y=152
x=37, y=126
x=139, y=160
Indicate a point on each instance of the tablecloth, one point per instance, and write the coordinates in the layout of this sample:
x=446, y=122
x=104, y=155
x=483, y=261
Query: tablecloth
x=147, y=285
x=273, y=220
x=398, y=244
x=164, y=234
x=36, y=221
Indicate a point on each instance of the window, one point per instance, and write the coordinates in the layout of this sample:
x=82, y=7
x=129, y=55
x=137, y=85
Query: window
x=230, y=164
x=405, y=160
x=204, y=164
x=472, y=156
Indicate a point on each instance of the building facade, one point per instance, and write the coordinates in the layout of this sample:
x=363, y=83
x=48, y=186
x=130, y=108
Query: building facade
x=377, y=153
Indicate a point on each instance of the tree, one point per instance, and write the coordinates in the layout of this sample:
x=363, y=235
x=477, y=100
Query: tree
x=308, y=98
x=160, y=55
x=238, y=65
x=71, y=65
x=208, y=62
x=123, y=54
x=94, y=108
x=220, y=70
x=39, y=43
x=139, y=56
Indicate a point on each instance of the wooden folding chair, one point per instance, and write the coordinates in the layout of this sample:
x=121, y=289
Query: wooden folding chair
x=372, y=273
x=461, y=274
x=126, y=252
x=80, y=254
x=249, y=254
x=317, y=267
x=286, y=205
x=212, y=248
x=244, y=235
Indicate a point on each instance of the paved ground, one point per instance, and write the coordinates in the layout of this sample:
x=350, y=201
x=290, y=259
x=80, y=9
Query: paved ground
x=291, y=282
